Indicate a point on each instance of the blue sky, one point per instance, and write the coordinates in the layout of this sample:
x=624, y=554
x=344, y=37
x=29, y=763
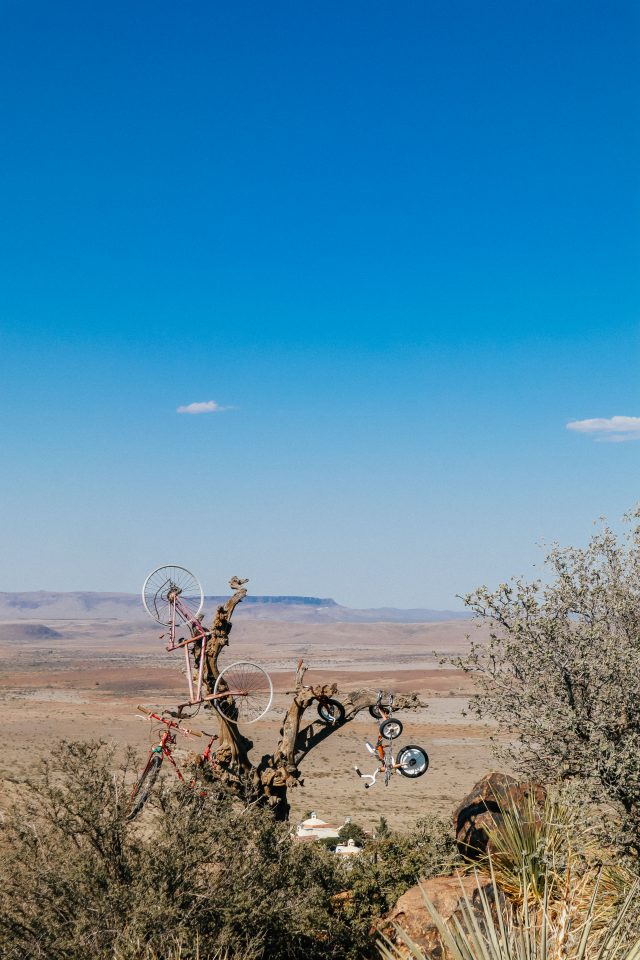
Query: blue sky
x=397, y=244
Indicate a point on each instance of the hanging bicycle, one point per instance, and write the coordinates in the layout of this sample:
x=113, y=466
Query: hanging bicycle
x=243, y=691
x=410, y=761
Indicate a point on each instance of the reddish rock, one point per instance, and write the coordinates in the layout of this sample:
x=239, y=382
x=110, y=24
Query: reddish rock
x=481, y=810
x=411, y=915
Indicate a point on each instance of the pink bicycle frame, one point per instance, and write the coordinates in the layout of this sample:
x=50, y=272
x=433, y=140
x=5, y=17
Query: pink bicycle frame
x=198, y=633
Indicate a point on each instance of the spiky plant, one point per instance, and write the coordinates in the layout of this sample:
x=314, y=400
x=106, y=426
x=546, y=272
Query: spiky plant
x=545, y=852
x=488, y=927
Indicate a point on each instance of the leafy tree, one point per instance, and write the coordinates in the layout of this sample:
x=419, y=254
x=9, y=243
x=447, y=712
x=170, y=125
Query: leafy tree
x=382, y=827
x=560, y=671
x=353, y=831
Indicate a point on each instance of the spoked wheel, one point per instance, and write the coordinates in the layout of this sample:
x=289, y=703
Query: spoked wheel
x=331, y=711
x=248, y=690
x=390, y=729
x=143, y=787
x=414, y=761
x=172, y=595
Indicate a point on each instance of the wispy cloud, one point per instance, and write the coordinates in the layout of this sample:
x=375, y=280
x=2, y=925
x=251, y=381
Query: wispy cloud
x=609, y=430
x=204, y=406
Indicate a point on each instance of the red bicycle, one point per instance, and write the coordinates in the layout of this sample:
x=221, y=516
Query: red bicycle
x=157, y=755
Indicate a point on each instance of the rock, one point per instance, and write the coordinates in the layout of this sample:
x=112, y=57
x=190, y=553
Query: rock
x=480, y=811
x=411, y=915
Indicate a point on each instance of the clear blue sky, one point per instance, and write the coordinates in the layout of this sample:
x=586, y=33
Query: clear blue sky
x=398, y=243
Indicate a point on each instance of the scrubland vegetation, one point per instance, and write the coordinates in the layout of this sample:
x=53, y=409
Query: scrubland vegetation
x=194, y=877
x=206, y=878
x=561, y=673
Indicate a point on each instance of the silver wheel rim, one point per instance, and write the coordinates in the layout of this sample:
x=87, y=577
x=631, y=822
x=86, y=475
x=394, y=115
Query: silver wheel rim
x=156, y=587
x=251, y=677
x=413, y=761
x=392, y=729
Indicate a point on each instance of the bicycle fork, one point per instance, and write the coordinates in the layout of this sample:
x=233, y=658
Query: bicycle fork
x=387, y=764
x=377, y=751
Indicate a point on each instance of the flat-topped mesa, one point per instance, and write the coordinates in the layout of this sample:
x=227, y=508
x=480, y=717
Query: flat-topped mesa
x=88, y=605
x=289, y=601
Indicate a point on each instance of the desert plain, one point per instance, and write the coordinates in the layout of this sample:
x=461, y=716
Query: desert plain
x=81, y=679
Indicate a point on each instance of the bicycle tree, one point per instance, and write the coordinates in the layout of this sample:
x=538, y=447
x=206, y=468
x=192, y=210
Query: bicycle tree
x=269, y=780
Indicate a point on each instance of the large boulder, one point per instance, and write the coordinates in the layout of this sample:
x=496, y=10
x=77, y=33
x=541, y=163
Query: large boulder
x=481, y=810
x=411, y=915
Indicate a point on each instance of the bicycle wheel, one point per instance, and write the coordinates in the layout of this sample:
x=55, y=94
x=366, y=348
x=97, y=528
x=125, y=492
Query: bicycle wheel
x=143, y=787
x=170, y=589
x=331, y=711
x=248, y=690
x=390, y=729
x=375, y=712
x=414, y=761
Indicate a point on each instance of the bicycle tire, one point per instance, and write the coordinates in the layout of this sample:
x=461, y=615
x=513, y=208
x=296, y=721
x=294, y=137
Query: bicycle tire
x=255, y=699
x=331, y=712
x=390, y=728
x=416, y=761
x=142, y=789
x=155, y=594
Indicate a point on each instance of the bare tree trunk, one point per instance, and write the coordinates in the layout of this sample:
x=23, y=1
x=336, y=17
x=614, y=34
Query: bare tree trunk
x=269, y=780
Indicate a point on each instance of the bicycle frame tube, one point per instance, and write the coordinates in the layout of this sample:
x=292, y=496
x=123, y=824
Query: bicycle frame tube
x=195, y=690
x=213, y=696
x=167, y=741
x=386, y=759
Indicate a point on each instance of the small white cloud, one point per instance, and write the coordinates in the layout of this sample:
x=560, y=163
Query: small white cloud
x=205, y=406
x=611, y=429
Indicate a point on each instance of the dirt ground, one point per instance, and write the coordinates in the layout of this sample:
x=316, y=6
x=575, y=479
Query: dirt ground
x=83, y=679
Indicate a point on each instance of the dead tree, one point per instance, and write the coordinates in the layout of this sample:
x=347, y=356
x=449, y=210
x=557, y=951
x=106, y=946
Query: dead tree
x=269, y=780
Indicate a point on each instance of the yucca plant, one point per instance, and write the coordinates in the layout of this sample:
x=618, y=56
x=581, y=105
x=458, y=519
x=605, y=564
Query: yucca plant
x=489, y=927
x=545, y=852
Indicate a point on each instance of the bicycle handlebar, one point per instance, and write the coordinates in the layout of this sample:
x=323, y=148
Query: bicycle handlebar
x=169, y=723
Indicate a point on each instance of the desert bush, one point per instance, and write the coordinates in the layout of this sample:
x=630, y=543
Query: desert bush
x=561, y=670
x=192, y=879
x=391, y=864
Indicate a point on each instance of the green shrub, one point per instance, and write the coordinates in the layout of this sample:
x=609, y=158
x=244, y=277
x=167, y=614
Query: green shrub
x=353, y=831
x=391, y=864
x=191, y=878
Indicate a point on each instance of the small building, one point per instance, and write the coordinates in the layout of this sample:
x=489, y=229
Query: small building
x=313, y=828
x=348, y=849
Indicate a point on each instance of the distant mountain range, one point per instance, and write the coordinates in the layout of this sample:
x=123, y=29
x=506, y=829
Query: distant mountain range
x=44, y=605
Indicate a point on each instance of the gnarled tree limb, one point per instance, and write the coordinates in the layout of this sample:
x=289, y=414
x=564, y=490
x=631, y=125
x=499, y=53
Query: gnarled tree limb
x=269, y=780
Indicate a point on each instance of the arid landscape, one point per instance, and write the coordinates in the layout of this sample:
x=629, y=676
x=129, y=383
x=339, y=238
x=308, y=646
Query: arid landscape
x=83, y=678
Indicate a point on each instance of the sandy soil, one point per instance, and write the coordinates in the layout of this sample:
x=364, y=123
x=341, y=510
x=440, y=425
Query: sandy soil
x=83, y=680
